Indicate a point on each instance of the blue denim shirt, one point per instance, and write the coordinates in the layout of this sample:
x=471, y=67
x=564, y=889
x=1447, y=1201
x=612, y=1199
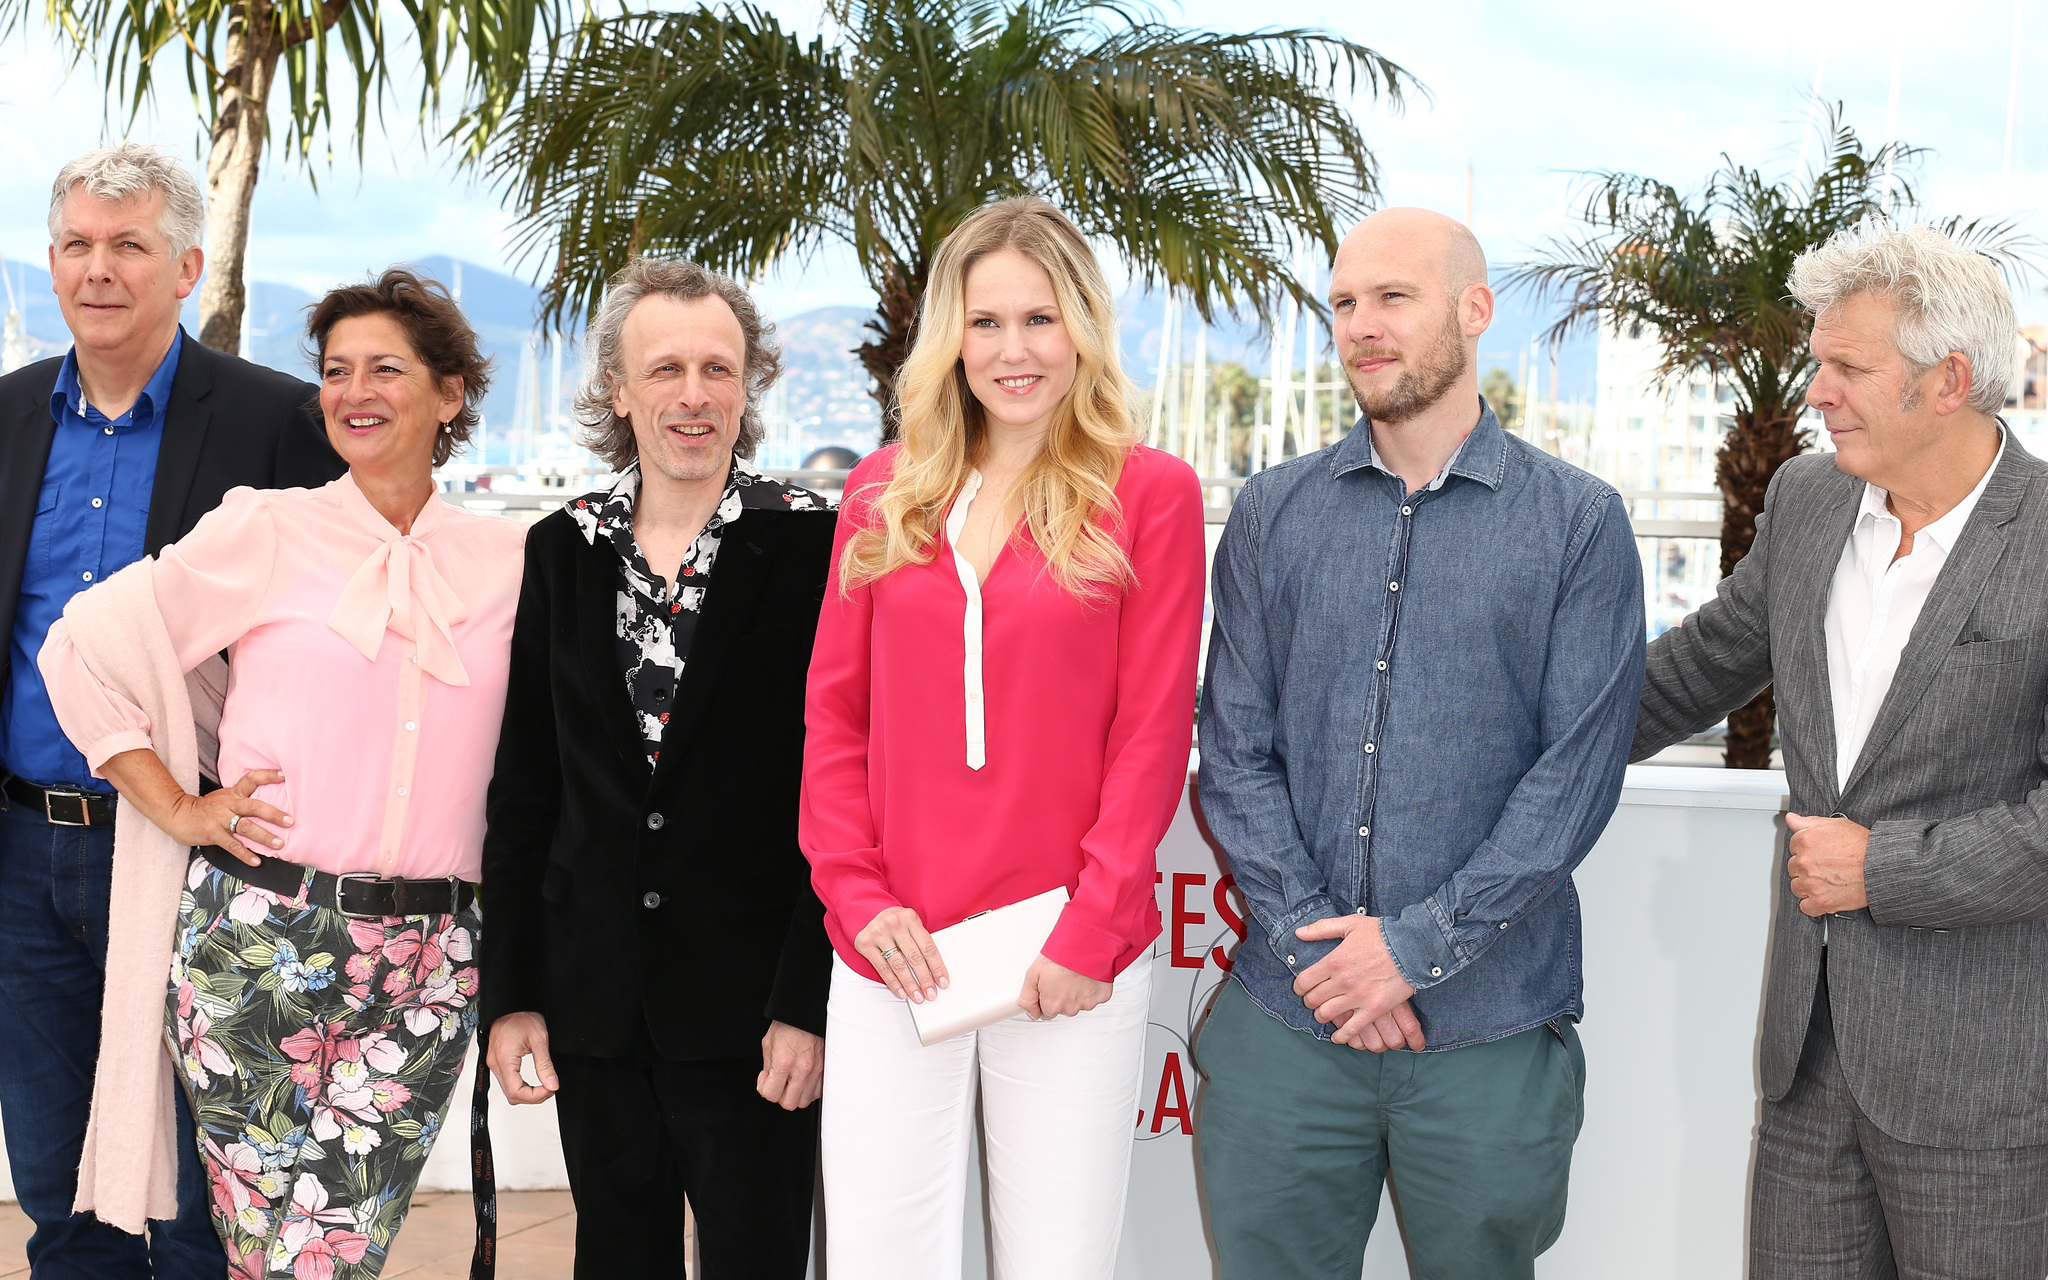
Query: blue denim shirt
x=92, y=514
x=1418, y=707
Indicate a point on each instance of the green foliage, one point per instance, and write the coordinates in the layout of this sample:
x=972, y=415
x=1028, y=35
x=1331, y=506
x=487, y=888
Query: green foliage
x=720, y=135
x=1706, y=274
x=484, y=46
x=1502, y=393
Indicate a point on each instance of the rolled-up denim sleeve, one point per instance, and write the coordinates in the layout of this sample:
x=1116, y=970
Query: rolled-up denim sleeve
x=1591, y=688
x=1244, y=794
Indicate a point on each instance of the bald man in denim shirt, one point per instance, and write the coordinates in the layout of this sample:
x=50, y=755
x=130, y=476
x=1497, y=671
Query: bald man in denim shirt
x=1421, y=688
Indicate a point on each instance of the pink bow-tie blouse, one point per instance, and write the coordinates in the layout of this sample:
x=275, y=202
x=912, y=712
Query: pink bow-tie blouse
x=964, y=752
x=366, y=665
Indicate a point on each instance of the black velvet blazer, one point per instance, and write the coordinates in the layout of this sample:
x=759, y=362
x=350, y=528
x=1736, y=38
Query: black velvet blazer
x=614, y=893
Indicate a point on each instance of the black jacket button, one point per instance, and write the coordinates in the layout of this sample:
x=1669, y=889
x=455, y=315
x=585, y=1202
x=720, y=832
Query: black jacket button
x=650, y=900
x=655, y=821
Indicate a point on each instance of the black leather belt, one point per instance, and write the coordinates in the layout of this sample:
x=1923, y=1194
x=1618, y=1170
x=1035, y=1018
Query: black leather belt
x=65, y=806
x=357, y=895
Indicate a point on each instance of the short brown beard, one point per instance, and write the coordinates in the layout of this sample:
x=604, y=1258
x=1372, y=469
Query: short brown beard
x=1419, y=389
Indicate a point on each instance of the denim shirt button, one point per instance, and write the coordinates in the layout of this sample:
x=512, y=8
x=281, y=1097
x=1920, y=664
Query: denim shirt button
x=1393, y=586
x=1407, y=511
x=1290, y=959
x=1435, y=972
x=1365, y=831
x=1369, y=748
x=1503, y=924
x=1381, y=665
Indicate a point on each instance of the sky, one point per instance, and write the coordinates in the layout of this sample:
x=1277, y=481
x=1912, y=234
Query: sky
x=1529, y=95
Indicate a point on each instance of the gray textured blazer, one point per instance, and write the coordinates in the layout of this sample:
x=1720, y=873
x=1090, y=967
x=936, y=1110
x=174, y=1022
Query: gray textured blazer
x=1939, y=987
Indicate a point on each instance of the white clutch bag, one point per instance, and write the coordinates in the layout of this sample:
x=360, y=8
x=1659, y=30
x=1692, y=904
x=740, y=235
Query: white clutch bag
x=986, y=958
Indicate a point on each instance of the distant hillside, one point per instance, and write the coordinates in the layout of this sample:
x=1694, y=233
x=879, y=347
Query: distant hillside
x=824, y=395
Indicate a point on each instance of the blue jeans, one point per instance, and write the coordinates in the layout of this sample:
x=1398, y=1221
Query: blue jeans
x=54, y=882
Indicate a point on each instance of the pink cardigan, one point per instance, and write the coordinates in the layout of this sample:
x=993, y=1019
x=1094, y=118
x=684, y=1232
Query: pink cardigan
x=128, y=1171
x=1087, y=714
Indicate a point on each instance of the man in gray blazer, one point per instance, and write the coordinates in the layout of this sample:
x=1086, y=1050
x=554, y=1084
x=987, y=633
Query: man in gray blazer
x=1897, y=595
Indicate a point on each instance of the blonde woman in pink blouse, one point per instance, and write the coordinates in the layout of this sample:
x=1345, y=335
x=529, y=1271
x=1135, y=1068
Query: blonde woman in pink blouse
x=1001, y=702
x=322, y=981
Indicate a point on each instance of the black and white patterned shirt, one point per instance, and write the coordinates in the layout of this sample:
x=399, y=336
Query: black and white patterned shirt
x=655, y=623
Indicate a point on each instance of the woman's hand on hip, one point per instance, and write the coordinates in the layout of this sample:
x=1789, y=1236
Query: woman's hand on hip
x=513, y=1037
x=903, y=953
x=222, y=818
x=1051, y=989
x=219, y=818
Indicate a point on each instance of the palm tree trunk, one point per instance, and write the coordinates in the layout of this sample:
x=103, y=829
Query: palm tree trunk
x=894, y=328
x=232, y=164
x=1761, y=442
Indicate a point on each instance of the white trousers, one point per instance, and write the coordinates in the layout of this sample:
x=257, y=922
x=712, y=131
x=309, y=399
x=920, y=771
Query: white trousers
x=1059, y=1101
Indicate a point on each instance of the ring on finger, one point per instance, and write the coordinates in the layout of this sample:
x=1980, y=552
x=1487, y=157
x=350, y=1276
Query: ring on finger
x=233, y=823
x=890, y=952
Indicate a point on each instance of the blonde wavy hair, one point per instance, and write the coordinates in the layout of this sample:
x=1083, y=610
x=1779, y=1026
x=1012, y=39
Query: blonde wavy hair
x=1071, y=486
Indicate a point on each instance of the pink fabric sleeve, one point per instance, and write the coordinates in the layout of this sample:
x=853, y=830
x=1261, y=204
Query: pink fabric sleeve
x=835, y=819
x=210, y=587
x=1113, y=911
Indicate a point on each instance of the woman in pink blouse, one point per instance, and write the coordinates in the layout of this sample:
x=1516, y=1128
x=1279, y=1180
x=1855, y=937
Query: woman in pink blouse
x=322, y=981
x=1001, y=704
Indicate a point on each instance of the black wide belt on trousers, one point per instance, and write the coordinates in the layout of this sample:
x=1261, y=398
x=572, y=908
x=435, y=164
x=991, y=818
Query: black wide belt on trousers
x=357, y=895
x=65, y=806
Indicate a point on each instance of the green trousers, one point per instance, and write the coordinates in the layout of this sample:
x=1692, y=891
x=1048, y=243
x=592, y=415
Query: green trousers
x=1296, y=1134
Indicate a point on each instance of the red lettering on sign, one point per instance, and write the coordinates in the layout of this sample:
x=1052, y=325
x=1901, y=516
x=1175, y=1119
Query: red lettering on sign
x=1176, y=1107
x=1231, y=918
x=1182, y=918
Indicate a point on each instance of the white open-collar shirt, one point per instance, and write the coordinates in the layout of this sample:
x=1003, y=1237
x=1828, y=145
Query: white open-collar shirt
x=1874, y=603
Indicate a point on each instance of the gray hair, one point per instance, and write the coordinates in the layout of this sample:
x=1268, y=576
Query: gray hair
x=128, y=170
x=1949, y=298
x=607, y=434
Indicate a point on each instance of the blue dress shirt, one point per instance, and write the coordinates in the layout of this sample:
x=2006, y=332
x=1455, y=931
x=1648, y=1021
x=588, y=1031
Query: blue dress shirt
x=91, y=518
x=1418, y=707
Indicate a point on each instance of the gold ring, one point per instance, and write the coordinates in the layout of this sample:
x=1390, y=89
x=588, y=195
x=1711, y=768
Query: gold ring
x=890, y=952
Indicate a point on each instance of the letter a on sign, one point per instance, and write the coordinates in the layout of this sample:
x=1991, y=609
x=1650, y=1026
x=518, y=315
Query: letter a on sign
x=1176, y=1107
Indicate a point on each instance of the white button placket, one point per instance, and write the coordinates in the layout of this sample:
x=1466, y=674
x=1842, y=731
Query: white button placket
x=405, y=754
x=970, y=625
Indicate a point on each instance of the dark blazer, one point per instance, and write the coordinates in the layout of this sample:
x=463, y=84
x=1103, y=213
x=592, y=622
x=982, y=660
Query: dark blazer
x=229, y=423
x=614, y=893
x=1940, y=987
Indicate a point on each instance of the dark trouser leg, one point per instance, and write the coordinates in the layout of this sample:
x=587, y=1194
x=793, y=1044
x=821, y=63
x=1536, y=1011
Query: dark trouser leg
x=1956, y=1213
x=1479, y=1144
x=748, y=1166
x=1814, y=1209
x=625, y=1173
x=53, y=911
x=1292, y=1145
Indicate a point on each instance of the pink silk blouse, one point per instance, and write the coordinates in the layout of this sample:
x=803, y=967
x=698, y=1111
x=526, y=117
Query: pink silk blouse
x=1085, y=712
x=366, y=665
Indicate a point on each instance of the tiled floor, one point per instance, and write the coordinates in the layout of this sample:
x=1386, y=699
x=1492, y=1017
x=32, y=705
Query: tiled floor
x=536, y=1238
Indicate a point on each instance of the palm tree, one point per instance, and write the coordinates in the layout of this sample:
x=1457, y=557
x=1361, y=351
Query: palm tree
x=720, y=135
x=232, y=50
x=1705, y=275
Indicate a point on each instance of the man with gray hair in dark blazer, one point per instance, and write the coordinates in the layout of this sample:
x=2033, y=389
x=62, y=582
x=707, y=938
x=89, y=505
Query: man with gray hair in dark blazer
x=1897, y=596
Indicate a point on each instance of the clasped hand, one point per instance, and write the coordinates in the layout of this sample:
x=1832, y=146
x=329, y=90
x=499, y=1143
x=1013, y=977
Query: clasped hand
x=1358, y=986
x=897, y=944
x=1827, y=863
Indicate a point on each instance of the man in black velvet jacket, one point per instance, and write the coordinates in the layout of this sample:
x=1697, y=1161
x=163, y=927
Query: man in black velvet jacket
x=651, y=940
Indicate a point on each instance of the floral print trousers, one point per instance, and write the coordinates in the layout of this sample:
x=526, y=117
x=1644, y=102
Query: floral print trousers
x=319, y=1053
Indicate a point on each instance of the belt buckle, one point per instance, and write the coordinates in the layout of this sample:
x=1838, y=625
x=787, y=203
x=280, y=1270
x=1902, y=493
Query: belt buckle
x=84, y=812
x=341, y=881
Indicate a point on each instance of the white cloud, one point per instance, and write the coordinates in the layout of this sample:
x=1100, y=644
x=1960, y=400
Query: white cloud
x=1527, y=94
